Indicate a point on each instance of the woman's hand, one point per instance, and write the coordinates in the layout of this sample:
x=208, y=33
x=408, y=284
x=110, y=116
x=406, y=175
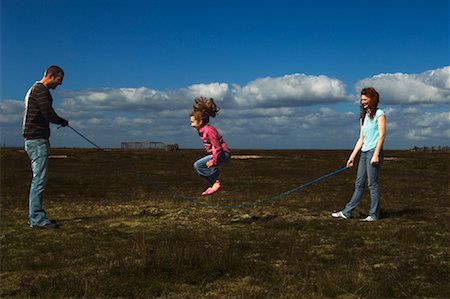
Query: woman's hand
x=375, y=159
x=209, y=163
x=350, y=162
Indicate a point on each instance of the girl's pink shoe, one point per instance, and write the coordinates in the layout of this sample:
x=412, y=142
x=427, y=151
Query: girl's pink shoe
x=214, y=188
x=206, y=192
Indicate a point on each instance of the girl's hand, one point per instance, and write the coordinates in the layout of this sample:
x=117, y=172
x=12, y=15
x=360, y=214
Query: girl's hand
x=375, y=159
x=209, y=163
x=350, y=162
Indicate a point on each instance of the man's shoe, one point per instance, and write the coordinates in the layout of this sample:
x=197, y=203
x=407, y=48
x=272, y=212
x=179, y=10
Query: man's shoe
x=369, y=219
x=51, y=221
x=339, y=215
x=51, y=225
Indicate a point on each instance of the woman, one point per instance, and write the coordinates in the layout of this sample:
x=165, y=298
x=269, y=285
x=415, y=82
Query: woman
x=370, y=142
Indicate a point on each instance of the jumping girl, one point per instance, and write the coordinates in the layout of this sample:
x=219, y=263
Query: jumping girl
x=370, y=142
x=218, y=151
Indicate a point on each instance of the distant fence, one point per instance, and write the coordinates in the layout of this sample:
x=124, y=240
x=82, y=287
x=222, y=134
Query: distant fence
x=138, y=145
x=431, y=149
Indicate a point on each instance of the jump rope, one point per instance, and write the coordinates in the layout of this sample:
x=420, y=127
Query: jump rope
x=166, y=190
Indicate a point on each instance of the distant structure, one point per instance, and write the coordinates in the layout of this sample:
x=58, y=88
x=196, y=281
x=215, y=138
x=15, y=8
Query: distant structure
x=140, y=145
x=431, y=149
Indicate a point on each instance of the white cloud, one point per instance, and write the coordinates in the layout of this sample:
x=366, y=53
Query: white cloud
x=418, y=127
x=252, y=112
x=287, y=91
x=430, y=87
x=290, y=91
x=327, y=117
x=410, y=110
x=131, y=99
x=11, y=111
x=418, y=134
x=94, y=121
x=218, y=91
x=429, y=119
x=430, y=126
x=428, y=133
x=268, y=112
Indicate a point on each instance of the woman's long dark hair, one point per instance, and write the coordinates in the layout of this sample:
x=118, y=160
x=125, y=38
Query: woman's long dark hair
x=374, y=97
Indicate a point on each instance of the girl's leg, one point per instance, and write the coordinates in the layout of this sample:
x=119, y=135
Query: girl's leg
x=211, y=174
x=222, y=159
x=359, y=186
x=208, y=174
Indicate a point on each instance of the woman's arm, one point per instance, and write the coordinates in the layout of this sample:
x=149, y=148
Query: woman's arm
x=357, y=148
x=382, y=130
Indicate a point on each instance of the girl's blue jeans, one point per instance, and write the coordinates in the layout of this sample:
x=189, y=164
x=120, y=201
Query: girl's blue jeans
x=37, y=150
x=365, y=169
x=211, y=174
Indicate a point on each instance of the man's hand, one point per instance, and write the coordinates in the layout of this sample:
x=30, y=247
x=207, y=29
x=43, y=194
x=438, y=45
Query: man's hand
x=64, y=122
x=209, y=163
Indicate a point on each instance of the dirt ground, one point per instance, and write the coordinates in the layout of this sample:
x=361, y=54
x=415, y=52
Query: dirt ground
x=134, y=224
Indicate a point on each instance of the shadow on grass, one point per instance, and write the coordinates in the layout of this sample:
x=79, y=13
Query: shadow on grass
x=400, y=213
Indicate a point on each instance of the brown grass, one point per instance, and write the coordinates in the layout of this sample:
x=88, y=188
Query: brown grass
x=129, y=229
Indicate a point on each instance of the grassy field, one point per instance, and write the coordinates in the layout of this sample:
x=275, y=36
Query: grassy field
x=129, y=229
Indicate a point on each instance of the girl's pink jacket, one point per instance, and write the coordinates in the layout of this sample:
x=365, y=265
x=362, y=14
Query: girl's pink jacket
x=213, y=142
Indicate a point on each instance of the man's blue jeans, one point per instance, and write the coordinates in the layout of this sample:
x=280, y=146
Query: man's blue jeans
x=212, y=173
x=371, y=171
x=37, y=150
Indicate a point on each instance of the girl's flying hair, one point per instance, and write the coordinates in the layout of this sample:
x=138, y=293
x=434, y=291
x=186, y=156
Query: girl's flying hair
x=204, y=108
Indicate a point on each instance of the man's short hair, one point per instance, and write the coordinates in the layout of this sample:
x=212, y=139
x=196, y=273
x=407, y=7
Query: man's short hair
x=54, y=70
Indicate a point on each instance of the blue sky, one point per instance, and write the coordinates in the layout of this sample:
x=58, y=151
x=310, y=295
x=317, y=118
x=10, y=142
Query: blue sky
x=285, y=73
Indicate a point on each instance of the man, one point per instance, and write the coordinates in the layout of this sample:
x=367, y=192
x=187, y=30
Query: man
x=38, y=115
